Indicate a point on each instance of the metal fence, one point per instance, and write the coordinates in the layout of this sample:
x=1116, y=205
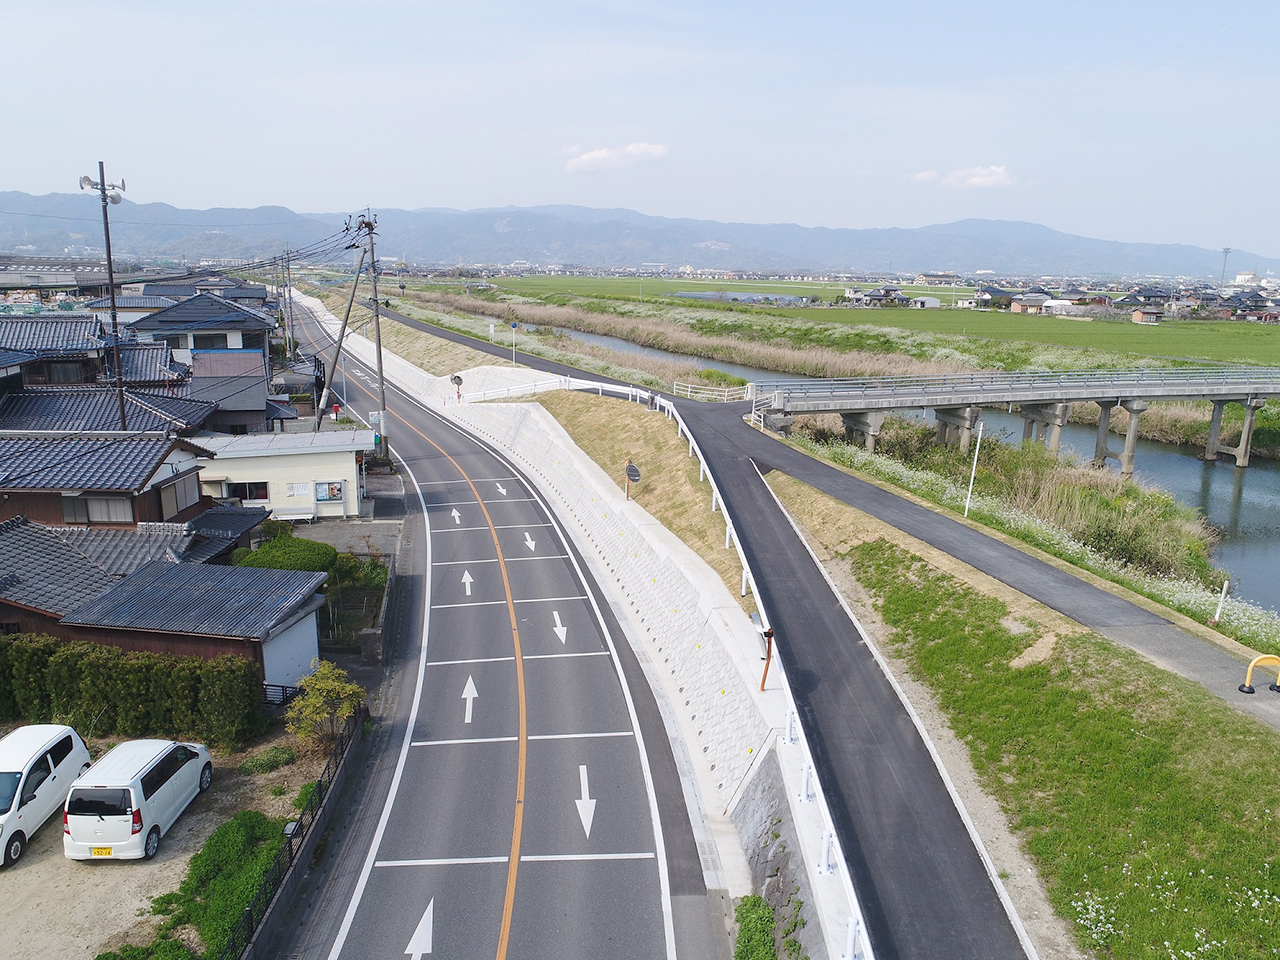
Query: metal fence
x=295, y=836
x=278, y=694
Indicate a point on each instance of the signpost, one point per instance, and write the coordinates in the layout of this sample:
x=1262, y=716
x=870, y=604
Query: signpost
x=633, y=476
x=514, y=324
x=456, y=380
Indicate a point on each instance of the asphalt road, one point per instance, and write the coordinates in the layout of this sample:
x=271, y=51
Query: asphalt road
x=511, y=803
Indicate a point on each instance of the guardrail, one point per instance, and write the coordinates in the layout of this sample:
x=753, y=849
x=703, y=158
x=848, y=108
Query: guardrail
x=694, y=391
x=831, y=857
x=299, y=845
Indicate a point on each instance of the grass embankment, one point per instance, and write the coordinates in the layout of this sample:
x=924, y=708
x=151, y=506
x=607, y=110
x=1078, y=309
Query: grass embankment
x=1143, y=540
x=1136, y=793
x=610, y=431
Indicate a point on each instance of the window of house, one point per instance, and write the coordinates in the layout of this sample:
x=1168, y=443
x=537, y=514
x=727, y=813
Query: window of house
x=209, y=341
x=75, y=510
x=65, y=373
x=178, y=495
x=9, y=627
x=177, y=341
x=255, y=490
x=252, y=340
x=109, y=509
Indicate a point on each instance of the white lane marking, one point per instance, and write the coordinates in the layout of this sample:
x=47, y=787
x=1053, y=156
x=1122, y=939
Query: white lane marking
x=458, y=563
x=438, y=483
x=472, y=502
x=527, y=656
x=528, y=541
x=463, y=741
x=586, y=806
x=499, y=526
x=444, y=862
x=420, y=942
x=561, y=630
x=353, y=905
x=501, y=489
x=565, y=857
x=467, y=580
x=457, y=517
x=469, y=694
x=494, y=603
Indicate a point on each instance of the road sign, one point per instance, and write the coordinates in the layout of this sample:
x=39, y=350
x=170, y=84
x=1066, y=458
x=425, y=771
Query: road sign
x=633, y=472
x=375, y=418
x=456, y=380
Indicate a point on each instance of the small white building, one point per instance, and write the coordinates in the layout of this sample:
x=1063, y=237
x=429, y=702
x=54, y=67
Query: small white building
x=926, y=303
x=297, y=476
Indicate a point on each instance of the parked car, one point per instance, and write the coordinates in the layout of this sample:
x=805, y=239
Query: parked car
x=121, y=806
x=38, y=763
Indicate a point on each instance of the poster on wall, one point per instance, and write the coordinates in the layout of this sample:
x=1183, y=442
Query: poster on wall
x=329, y=490
x=297, y=489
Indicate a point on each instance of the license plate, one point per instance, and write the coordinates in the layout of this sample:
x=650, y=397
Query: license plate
x=102, y=851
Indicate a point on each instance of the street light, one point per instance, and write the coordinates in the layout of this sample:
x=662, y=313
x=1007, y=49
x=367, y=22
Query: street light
x=101, y=185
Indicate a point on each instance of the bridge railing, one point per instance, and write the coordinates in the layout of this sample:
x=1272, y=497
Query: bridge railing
x=1261, y=377
x=694, y=391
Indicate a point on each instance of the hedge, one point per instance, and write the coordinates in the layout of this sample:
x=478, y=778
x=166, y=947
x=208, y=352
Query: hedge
x=291, y=553
x=103, y=690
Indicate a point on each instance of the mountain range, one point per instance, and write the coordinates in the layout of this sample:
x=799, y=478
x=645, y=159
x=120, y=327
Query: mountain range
x=56, y=224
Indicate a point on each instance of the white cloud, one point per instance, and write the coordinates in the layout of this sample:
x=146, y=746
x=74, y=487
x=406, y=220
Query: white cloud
x=607, y=157
x=925, y=176
x=996, y=176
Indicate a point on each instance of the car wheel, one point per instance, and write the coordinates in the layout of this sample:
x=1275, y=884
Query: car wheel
x=153, y=844
x=13, y=849
x=85, y=768
x=206, y=777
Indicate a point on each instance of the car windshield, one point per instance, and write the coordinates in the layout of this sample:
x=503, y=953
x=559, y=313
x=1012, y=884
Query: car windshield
x=99, y=802
x=8, y=788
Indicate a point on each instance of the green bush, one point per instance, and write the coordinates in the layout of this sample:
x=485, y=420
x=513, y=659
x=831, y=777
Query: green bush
x=159, y=950
x=267, y=760
x=104, y=690
x=756, y=924
x=275, y=529
x=292, y=553
x=308, y=789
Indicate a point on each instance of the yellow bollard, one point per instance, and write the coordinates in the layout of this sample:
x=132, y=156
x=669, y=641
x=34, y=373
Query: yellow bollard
x=1266, y=660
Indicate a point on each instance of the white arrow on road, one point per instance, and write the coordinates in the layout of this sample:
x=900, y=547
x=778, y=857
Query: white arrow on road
x=501, y=489
x=469, y=694
x=561, y=630
x=457, y=517
x=586, y=806
x=528, y=540
x=467, y=581
x=420, y=942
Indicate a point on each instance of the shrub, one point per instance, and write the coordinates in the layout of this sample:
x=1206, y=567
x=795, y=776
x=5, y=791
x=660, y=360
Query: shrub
x=292, y=553
x=8, y=708
x=159, y=950
x=230, y=699
x=308, y=790
x=267, y=760
x=756, y=924
x=274, y=529
x=29, y=662
x=327, y=700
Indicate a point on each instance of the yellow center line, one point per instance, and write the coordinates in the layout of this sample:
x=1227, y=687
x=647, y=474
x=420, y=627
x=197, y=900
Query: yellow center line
x=508, y=904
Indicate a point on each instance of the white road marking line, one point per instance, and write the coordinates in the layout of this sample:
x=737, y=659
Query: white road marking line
x=527, y=656
x=566, y=857
x=528, y=542
x=443, y=862
x=503, y=603
x=469, y=694
x=586, y=805
x=561, y=630
x=437, y=483
x=458, y=563
x=499, y=526
x=463, y=741
x=467, y=580
x=561, y=656
x=472, y=503
x=582, y=736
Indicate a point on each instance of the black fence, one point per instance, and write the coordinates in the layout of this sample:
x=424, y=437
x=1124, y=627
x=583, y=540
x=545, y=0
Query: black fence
x=296, y=833
x=278, y=694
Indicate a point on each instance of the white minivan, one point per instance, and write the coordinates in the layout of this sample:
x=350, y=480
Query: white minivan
x=122, y=805
x=38, y=762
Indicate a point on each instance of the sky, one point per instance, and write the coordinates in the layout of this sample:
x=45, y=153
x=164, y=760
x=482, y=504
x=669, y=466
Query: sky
x=1129, y=120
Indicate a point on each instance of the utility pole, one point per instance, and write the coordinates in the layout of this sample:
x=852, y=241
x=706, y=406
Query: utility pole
x=337, y=350
x=367, y=223
x=290, y=338
x=1226, y=252
x=113, y=197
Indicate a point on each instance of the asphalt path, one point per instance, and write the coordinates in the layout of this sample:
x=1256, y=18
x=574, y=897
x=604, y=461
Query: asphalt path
x=511, y=803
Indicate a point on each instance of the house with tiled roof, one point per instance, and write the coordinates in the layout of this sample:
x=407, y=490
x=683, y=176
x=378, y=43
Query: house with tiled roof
x=207, y=322
x=128, y=308
x=95, y=407
x=59, y=348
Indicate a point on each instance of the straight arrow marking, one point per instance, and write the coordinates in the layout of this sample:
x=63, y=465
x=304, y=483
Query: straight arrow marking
x=469, y=694
x=467, y=581
x=420, y=942
x=528, y=540
x=457, y=517
x=501, y=489
x=586, y=806
x=561, y=630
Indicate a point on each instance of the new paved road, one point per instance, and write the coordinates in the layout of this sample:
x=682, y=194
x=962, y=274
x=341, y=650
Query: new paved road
x=514, y=812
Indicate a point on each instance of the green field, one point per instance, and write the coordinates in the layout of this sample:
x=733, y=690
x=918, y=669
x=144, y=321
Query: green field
x=629, y=287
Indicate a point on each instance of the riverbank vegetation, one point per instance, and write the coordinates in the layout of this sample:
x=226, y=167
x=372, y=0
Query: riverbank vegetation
x=1135, y=791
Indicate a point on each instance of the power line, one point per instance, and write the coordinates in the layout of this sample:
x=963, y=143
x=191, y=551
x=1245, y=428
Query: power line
x=165, y=223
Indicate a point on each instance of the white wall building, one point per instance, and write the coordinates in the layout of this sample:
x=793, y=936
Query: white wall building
x=297, y=476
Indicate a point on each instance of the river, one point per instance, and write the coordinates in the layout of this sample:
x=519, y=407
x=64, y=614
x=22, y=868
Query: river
x=1244, y=505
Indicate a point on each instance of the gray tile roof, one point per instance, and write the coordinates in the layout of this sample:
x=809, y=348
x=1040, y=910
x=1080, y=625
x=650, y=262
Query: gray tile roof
x=205, y=311
x=230, y=393
x=43, y=572
x=120, y=462
x=149, y=363
x=131, y=303
x=78, y=408
x=227, y=522
x=122, y=550
x=50, y=334
x=199, y=599
x=12, y=358
x=170, y=291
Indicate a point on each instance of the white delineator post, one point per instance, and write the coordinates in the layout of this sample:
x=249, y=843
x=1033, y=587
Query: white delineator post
x=973, y=472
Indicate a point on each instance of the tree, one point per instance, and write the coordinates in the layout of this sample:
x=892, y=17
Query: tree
x=328, y=699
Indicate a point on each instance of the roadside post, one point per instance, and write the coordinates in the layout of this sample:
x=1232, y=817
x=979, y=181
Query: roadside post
x=633, y=476
x=768, y=656
x=456, y=380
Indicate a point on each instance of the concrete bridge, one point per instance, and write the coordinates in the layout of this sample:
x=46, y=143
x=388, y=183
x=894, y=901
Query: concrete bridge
x=1043, y=398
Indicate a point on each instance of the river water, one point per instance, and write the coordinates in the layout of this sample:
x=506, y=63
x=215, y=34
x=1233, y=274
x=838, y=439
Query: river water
x=1244, y=505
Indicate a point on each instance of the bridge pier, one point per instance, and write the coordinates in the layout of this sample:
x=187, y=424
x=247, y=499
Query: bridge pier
x=863, y=427
x=1102, y=450
x=955, y=424
x=1043, y=423
x=1241, y=451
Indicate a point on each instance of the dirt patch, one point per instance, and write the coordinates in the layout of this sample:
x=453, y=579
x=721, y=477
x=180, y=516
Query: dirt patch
x=841, y=528
x=1038, y=652
x=52, y=908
